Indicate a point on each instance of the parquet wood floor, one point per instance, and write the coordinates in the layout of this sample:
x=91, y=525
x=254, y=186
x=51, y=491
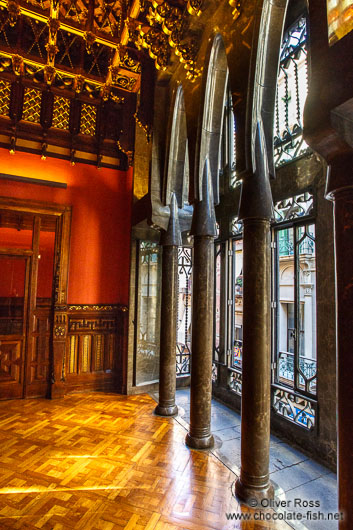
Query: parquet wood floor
x=105, y=462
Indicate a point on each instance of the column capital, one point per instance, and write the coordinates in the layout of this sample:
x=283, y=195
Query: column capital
x=256, y=195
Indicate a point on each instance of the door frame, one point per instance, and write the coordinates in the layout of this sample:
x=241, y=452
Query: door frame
x=16, y=389
x=62, y=213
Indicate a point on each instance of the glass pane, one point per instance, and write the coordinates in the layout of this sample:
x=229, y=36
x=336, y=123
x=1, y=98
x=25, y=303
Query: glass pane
x=217, y=315
x=148, y=313
x=307, y=309
x=45, y=267
x=238, y=303
x=292, y=86
x=285, y=306
x=12, y=292
x=183, y=347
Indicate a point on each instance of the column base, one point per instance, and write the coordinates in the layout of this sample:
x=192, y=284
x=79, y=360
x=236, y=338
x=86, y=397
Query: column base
x=205, y=442
x=253, y=495
x=166, y=411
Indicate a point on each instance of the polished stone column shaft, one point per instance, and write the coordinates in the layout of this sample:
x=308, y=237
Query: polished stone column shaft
x=204, y=231
x=170, y=240
x=199, y=436
x=167, y=364
x=253, y=482
x=343, y=214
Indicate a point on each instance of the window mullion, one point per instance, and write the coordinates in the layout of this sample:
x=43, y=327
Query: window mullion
x=296, y=306
x=230, y=298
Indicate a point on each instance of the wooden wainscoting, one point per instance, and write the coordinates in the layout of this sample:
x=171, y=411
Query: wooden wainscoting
x=94, y=355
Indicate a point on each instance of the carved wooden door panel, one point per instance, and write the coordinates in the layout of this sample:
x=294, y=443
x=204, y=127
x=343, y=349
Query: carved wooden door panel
x=38, y=362
x=14, y=277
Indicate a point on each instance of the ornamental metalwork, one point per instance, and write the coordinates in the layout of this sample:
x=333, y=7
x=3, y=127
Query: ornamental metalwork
x=296, y=207
x=5, y=94
x=292, y=88
x=307, y=371
x=294, y=408
x=286, y=245
x=214, y=372
x=235, y=382
x=61, y=113
x=183, y=345
x=32, y=105
x=236, y=227
x=148, y=312
x=294, y=312
x=217, y=303
x=88, y=119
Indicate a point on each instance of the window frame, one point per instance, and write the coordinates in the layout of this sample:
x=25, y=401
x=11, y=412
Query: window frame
x=296, y=392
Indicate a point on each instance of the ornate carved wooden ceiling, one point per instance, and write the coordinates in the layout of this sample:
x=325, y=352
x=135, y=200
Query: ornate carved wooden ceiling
x=74, y=44
x=66, y=63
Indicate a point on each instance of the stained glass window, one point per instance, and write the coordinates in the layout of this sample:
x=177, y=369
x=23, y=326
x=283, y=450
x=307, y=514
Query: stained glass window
x=339, y=19
x=292, y=87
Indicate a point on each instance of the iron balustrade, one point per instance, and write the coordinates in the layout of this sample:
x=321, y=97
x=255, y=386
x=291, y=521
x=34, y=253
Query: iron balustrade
x=307, y=368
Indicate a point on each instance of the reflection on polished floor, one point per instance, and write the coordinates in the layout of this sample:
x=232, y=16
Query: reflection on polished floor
x=295, y=474
x=103, y=462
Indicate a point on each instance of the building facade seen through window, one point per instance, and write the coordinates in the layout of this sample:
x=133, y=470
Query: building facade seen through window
x=294, y=306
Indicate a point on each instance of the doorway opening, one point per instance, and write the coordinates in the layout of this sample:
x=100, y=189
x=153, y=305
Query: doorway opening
x=33, y=274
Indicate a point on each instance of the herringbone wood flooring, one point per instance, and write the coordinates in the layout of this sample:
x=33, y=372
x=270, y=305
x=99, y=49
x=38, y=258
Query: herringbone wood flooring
x=104, y=462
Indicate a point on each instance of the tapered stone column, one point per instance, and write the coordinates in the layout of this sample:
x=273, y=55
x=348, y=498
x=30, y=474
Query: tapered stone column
x=255, y=212
x=204, y=232
x=167, y=367
x=256, y=385
x=340, y=189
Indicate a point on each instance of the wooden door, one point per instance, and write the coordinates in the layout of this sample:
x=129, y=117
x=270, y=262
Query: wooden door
x=14, y=281
x=31, y=355
x=25, y=314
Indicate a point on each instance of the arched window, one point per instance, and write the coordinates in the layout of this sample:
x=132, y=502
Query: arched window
x=292, y=88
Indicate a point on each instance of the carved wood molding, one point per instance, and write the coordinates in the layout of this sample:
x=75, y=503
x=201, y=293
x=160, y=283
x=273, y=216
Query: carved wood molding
x=98, y=307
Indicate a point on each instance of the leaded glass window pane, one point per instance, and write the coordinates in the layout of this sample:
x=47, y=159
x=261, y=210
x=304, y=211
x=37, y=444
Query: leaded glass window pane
x=292, y=88
x=295, y=358
x=183, y=346
x=148, y=313
x=296, y=308
x=237, y=350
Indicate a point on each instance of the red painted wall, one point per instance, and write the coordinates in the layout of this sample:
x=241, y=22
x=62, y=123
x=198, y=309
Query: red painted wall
x=101, y=221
